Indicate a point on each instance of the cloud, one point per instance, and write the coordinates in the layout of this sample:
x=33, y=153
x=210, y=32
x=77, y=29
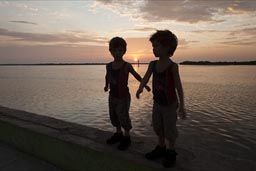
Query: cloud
x=25, y=6
x=145, y=29
x=246, y=36
x=4, y=3
x=245, y=42
x=24, y=22
x=190, y=11
x=63, y=38
x=53, y=54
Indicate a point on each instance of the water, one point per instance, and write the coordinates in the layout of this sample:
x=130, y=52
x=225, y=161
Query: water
x=220, y=102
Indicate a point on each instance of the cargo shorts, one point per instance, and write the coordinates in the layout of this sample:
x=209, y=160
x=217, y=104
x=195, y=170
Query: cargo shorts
x=119, y=112
x=164, y=120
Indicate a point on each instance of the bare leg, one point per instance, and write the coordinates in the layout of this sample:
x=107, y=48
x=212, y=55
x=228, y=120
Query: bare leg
x=170, y=155
x=161, y=141
x=117, y=137
x=170, y=144
x=126, y=141
x=127, y=133
x=118, y=129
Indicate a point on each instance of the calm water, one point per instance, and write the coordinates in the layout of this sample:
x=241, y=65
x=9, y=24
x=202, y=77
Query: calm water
x=220, y=102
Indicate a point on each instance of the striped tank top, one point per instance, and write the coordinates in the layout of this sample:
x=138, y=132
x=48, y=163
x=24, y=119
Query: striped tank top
x=118, y=81
x=163, y=86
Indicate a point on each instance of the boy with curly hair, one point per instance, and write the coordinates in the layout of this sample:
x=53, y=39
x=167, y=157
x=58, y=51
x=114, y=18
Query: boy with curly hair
x=166, y=81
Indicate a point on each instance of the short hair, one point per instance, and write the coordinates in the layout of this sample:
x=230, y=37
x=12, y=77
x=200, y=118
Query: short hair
x=117, y=42
x=166, y=38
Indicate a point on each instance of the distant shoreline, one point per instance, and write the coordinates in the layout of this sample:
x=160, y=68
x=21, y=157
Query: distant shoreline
x=53, y=64
x=47, y=64
x=218, y=63
x=181, y=63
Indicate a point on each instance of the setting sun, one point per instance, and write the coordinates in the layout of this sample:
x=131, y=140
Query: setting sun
x=72, y=32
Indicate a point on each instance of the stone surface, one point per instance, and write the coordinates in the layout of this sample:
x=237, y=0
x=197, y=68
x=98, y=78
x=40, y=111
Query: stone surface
x=76, y=139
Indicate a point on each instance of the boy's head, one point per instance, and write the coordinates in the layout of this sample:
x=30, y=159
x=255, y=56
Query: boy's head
x=166, y=39
x=117, y=47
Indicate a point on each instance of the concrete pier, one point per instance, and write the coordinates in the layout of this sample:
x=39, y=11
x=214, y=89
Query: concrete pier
x=66, y=145
x=70, y=146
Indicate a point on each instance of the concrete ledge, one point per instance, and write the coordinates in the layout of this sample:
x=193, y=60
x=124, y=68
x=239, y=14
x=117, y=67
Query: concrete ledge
x=71, y=146
x=67, y=145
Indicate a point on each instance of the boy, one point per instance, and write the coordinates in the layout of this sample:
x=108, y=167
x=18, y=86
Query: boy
x=166, y=81
x=119, y=96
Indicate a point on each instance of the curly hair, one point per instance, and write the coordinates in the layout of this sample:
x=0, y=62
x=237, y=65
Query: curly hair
x=166, y=38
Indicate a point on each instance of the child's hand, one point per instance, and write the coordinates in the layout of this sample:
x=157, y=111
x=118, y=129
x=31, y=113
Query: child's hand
x=147, y=88
x=105, y=89
x=182, y=113
x=139, y=91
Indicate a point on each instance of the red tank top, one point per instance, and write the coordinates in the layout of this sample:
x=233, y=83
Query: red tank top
x=163, y=86
x=118, y=81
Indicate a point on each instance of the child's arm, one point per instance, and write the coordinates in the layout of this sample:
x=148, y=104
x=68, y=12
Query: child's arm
x=145, y=80
x=136, y=75
x=106, y=80
x=179, y=88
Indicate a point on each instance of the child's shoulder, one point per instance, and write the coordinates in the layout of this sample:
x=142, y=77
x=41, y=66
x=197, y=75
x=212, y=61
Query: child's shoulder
x=153, y=63
x=127, y=64
x=174, y=66
x=174, y=63
x=108, y=64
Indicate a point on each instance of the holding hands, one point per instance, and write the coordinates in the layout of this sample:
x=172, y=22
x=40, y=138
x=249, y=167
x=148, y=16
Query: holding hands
x=140, y=90
x=147, y=88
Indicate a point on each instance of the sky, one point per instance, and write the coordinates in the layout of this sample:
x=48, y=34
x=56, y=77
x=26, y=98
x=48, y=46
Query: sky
x=79, y=31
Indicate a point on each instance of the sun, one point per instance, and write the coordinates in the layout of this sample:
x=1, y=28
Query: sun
x=135, y=58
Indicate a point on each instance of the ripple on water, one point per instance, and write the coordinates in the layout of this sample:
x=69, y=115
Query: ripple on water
x=220, y=105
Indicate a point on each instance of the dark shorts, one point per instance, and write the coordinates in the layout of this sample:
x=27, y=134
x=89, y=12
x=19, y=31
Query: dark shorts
x=119, y=112
x=164, y=120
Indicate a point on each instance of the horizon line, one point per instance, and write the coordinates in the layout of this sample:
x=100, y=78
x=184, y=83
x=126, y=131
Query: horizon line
x=104, y=63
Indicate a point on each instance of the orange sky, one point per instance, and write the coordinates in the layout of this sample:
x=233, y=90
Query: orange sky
x=79, y=31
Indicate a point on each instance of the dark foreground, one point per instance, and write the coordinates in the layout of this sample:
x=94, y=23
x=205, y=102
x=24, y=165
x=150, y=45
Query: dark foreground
x=51, y=144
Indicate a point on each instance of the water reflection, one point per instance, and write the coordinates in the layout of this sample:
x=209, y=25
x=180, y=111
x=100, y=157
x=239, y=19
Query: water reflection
x=220, y=104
